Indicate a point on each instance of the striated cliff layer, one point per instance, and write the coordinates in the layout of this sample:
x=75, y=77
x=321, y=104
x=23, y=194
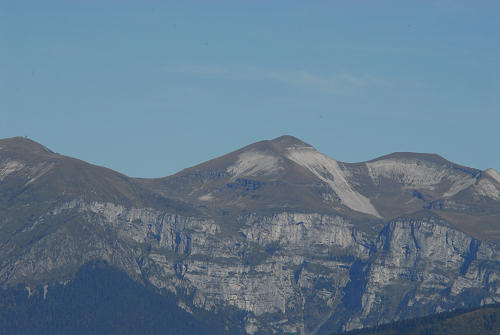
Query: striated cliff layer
x=290, y=272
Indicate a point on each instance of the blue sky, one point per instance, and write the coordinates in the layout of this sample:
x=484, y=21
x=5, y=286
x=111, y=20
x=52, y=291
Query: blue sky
x=150, y=87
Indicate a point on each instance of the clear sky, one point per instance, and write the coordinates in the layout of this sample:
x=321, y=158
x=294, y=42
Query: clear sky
x=150, y=87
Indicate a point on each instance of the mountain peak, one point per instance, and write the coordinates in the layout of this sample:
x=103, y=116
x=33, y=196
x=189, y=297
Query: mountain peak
x=23, y=144
x=265, y=157
x=287, y=141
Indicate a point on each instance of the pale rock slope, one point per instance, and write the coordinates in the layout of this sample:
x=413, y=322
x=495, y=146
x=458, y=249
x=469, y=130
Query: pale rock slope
x=255, y=163
x=493, y=174
x=329, y=171
x=419, y=174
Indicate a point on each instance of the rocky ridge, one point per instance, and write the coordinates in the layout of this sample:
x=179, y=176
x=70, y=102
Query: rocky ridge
x=347, y=261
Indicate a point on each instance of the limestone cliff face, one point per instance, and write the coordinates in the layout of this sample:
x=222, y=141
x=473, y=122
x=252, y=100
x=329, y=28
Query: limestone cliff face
x=423, y=265
x=289, y=272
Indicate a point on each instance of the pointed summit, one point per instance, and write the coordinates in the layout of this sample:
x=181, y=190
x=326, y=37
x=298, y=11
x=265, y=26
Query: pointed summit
x=288, y=141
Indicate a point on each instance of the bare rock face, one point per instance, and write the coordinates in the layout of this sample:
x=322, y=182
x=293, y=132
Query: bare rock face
x=290, y=239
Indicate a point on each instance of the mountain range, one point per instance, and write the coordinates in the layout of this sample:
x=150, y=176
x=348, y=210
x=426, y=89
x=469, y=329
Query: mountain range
x=274, y=238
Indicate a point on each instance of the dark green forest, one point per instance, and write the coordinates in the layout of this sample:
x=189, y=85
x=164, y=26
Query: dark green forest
x=101, y=300
x=479, y=321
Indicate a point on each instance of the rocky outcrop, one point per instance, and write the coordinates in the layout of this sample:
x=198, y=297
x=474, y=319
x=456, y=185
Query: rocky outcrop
x=423, y=266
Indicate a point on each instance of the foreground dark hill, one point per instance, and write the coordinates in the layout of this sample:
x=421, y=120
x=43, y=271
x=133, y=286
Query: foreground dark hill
x=479, y=321
x=100, y=300
x=272, y=238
